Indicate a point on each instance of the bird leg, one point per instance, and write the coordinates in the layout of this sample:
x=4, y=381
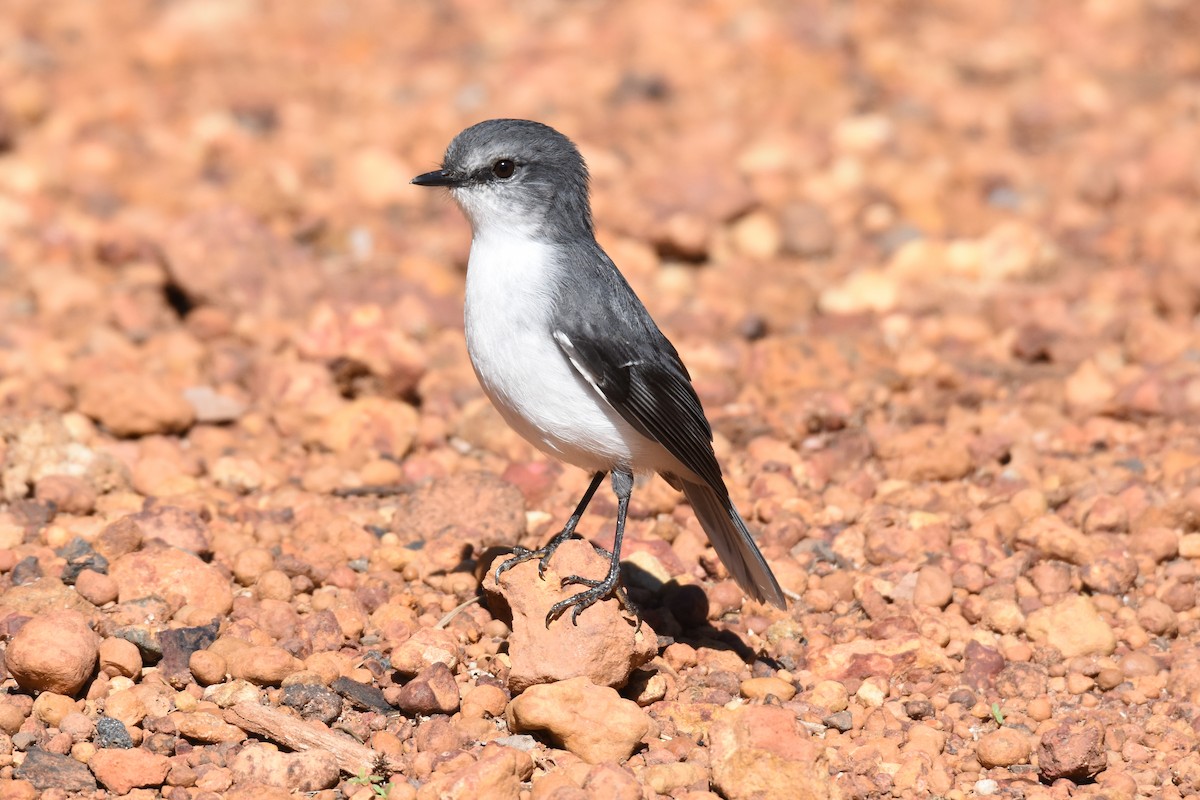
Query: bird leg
x=622, y=482
x=523, y=554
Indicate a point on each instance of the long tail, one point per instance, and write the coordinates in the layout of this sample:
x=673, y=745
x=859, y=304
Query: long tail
x=733, y=544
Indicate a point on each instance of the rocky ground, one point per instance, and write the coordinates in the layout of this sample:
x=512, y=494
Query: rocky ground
x=935, y=268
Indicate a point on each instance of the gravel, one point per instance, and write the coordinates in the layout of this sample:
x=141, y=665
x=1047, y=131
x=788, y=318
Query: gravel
x=933, y=270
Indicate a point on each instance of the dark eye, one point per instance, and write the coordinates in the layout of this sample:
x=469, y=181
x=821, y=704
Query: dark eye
x=504, y=168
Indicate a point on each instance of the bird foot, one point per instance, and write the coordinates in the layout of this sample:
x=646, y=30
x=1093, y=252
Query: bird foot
x=598, y=590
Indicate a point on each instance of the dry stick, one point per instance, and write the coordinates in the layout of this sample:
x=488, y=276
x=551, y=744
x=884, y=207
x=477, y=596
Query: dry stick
x=296, y=734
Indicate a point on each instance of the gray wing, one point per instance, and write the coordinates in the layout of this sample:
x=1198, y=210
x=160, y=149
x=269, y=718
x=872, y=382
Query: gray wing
x=609, y=337
x=611, y=340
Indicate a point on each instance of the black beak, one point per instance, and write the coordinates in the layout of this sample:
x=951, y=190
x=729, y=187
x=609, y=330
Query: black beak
x=438, y=177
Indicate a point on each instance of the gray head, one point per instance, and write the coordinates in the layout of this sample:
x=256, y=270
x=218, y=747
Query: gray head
x=512, y=175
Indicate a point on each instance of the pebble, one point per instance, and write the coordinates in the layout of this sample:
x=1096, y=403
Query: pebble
x=424, y=648
x=121, y=771
x=593, y=722
x=46, y=771
x=1003, y=748
x=499, y=772
x=933, y=588
x=134, y=404
x=1073, y=749
x=1073, y=626
x=431, y=691
x=97, y=588
x=174, y=575
x=70, y=494
x=120, y=657
x=310, y=771
x=485, y=699
x=206, y=728
x=762, y=688
x=263, y=665
x=207, y=667
x=829, y=695
x=761, y=752
x=50, y=708
x=55, y=652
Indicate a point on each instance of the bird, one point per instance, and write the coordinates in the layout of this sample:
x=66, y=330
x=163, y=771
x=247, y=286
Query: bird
x=568, y=354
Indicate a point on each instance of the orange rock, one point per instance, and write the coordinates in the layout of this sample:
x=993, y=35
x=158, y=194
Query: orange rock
x=134, y=404
x=55, y=652
x=761, y=752
x=178, y=577
x=310, y=771
x=123, y=770
x=605, y=645
x=593, y=722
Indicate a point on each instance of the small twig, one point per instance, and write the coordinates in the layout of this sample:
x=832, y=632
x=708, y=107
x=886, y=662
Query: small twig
x=297, y=734
x=454, y=612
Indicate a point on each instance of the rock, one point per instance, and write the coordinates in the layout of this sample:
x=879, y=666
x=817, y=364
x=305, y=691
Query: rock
x=120, y=657
x=310, y=771
x=77, y=725
x=175, y=527
x=1053, y=538
x=425, y=647
x=134, y=404
x=112, y=732
x=56, y=652
x=485, y=699
x=934, y=588
x=123, y=770
x=612, y=780
x=1073, y=626
x=1022, y=680
x=473, y=510
x=923, y=453
x=371, y=427
x=178, y=645
x=179, y=578
x=1110, y=573
x=206, y=728
x=50, y=708
x=313, y=701
x=1073, y=750
x=53, y=771
x=207, y=667
x=762, y=753
x=498, y=773
x=263, y=665
x=593, y=722
x=670, y=778
x=762, y=688
x=981, y=665
x=432, y=691
x=1003, y=748
x=212, y=407
x=605, y=646
x=214, y=257
x=70, y=494
x=365, y=696
x=829, y=695
x=19, y=789
x=1157, y=617
x=96, y=587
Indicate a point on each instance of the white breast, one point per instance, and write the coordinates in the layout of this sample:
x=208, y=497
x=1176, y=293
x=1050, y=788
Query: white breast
x=510, y=338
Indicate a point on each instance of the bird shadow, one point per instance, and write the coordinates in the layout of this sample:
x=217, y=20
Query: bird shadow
x=679, y=613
